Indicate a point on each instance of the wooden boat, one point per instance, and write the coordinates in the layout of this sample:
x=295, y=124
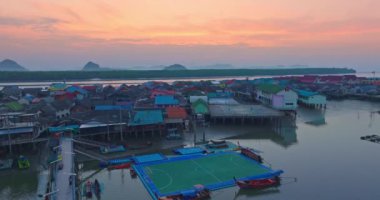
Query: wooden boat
x=23, y=162
x=217, y=146
x=250, y=153
x=120, y=166
x=218, y=141
x=259, y=183
x=203, y=194
x=6, y=164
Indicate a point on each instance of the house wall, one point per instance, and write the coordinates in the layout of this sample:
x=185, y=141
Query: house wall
x=289, y=100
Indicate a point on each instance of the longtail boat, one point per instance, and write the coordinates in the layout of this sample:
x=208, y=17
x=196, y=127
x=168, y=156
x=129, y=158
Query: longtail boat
x=250, y=153
x=259, y=183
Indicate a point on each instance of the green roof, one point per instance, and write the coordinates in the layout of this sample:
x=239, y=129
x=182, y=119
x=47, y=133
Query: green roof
x=200, y=107
x=270, y=88
x=147, y=117
x=14, y=106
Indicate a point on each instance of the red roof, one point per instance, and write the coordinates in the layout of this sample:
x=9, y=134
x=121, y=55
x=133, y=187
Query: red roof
x=307, y=79
x=176, y=112
x=331, y=79
x=89, y=87
x=162, y=92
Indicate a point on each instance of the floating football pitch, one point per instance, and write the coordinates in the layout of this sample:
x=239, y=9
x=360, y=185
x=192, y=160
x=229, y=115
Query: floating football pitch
x=214, y=171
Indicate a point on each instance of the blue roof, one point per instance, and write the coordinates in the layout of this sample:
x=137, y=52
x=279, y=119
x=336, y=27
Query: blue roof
x=148, y=158
x=165, y=100
x=74, y=88
x=146, y=117
x=12, y=131
x=63, y=128
x=191, y=150
x=306, y=93
x=114, y=107
x=219, y=94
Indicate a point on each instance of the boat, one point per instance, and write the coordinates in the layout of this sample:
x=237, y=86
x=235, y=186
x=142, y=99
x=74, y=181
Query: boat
x=250, y=153
x=198, y=193
x=218, y=141
x=23, y=162
x=258, y=183
x=217, y=144
x=97, y=188
x=88, y=189
x=112, y=149
x=119, y=166
x=6, y=164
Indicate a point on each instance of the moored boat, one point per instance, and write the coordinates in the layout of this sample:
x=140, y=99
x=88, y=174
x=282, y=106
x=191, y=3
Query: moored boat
x=250, y=153
x=217, y=144
x=198, y=193
x=258, y=183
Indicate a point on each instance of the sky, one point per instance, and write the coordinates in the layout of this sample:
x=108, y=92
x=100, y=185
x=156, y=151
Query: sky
x=65, y=34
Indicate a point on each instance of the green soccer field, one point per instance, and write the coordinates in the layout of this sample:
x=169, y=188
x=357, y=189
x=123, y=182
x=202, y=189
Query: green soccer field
x=180, y=175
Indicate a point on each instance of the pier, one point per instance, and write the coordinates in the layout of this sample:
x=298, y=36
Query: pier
x=65, y=177
x=242, y=114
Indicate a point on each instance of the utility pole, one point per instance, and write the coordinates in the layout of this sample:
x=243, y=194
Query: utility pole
x=121, y=127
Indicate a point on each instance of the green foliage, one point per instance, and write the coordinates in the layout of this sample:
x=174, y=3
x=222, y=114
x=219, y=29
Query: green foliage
x=138, y=74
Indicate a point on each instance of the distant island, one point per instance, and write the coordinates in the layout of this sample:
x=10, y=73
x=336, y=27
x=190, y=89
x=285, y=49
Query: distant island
x=91, y=66
x=10, y=76
x=10, y=65
x=175, y=67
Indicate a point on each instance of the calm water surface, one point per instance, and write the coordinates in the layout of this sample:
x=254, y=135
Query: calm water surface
x=329, y=160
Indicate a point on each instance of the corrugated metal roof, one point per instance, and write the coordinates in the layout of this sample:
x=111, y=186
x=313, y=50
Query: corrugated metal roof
x=113, y=107
x=146, y=117
x=306, y=93
x=270, y=88
x=165, y=100
x=176, y=112
x=16, y=130
x=200, y=107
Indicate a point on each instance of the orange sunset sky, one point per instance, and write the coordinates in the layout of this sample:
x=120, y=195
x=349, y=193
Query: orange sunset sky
x=65, y=34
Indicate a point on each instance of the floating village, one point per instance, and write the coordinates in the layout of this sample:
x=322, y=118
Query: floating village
x=122, y=127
